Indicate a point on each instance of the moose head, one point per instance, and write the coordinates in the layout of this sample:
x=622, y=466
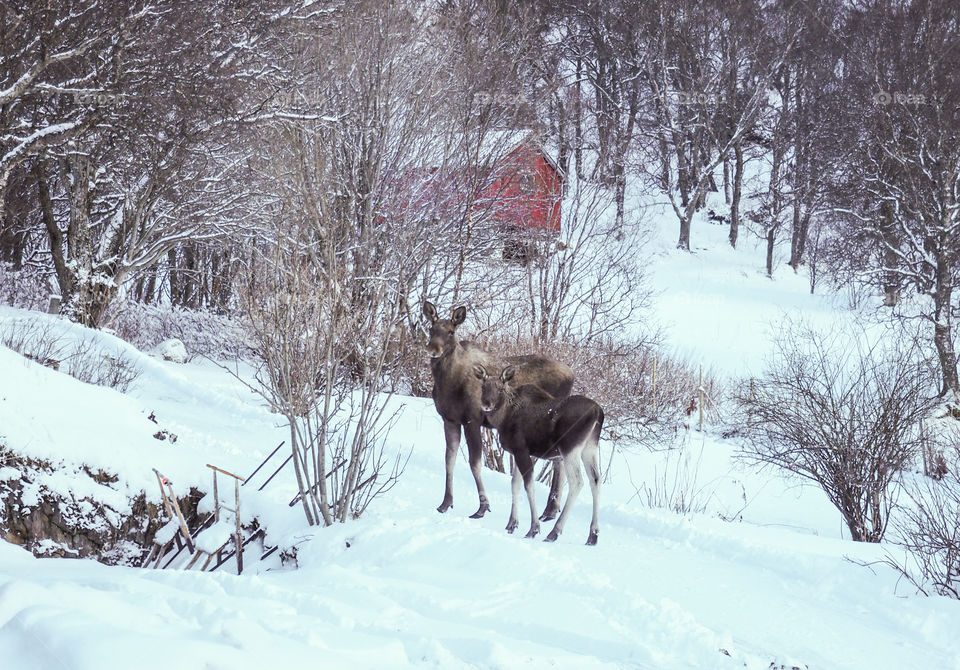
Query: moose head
x=443, y=332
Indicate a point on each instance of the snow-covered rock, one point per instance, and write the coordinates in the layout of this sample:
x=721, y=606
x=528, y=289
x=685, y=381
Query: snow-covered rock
x=173, y=350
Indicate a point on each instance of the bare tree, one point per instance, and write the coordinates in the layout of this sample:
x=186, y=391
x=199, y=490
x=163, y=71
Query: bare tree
x=62, y=48
x=844, y=417
x=149, y=162
x=354, y=214
x=693, y=122
x=585, y=284
x=908, y=158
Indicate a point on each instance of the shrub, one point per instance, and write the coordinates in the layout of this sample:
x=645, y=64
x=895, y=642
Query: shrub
x=842, y=416
x=928, y=525
x=204, y=333
x=90, y=364
x=675, y=484
x=82, y=358
x=619, y=376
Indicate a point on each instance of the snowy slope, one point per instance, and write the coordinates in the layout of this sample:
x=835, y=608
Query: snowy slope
x=407, y=587
x=717, y=304
x=763, y=577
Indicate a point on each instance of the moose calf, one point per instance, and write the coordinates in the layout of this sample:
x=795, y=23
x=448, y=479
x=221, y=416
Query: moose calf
x=534, y=424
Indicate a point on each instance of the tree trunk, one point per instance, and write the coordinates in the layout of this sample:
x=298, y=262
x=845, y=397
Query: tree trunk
x=737, y=194
x=771, y=240
x=684, y=241
x=684, y=178
x=798, y=237
x=794, y=234
x=891, y=285
x=91, y=300
x=726, y=181
x=13, y=231
x=942, y=329
x=578, y=122
x=173, y=277
x=620, y=192
x=54, y=234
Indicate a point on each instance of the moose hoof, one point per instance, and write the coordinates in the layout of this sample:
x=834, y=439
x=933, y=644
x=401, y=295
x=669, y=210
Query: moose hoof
x=444, y=506
x=548, y=514
x=484, y=508
x=552, y=537
x=532, y=533
x=592, y=540
x=512, y=526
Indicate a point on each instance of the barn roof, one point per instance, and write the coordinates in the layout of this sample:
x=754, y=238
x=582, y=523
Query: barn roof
x=493, y=147
x=508, y=141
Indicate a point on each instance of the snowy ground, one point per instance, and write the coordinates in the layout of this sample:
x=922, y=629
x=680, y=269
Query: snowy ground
x=717, y=304
x=763, y=577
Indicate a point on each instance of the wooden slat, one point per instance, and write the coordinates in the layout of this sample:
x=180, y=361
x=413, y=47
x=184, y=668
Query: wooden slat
x=183, y=522
x=214, y=467
x=239, y=536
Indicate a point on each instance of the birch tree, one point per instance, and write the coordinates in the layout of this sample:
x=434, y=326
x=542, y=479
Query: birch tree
x=905, y=92
x=694, y=121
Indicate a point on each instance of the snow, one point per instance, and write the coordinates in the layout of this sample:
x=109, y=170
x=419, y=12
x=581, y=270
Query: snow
x=717, y=304
x=166, y=533
x=211, y=539
x=173, y=349
x=761, y=574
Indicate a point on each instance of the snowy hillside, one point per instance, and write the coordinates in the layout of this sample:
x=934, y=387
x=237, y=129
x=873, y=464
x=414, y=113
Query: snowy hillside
x=761, y=576
x=718, y=305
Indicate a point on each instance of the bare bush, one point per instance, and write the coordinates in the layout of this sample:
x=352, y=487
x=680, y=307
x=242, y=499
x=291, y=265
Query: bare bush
x=843, y=416
x=323, y=367
x=676, y=485
x=89, y=363
x=326, y=293
x=84, y=358
x=619, y=376
x=36, y=340
x=928, y=529
x=203, y=333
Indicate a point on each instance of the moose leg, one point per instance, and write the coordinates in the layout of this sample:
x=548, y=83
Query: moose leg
x=591, y=462
x=516, y=483
x=574, y=483
x=525, y=467
x=471, y=431
x=556, y=488
x=451, y=433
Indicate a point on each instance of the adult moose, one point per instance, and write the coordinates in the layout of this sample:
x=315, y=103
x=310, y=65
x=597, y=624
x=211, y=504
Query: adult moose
x=456, y=395
x=534, y=424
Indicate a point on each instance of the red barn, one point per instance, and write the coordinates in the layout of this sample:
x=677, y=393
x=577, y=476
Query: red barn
x=526, y=189
x=508, y=182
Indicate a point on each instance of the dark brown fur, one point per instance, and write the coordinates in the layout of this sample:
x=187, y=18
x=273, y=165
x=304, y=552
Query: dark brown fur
x=534, y=424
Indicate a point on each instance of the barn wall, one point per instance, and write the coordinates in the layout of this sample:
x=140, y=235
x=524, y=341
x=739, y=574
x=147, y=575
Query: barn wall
x=529, y=193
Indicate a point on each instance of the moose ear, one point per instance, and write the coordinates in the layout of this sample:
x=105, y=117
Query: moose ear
x=430, y=311
x=480, y=372
x=459, y=315
x=507, y=374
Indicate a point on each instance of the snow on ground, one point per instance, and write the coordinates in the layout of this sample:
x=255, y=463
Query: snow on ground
x=760, y=576
x=406, y=587
x=717, y=304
